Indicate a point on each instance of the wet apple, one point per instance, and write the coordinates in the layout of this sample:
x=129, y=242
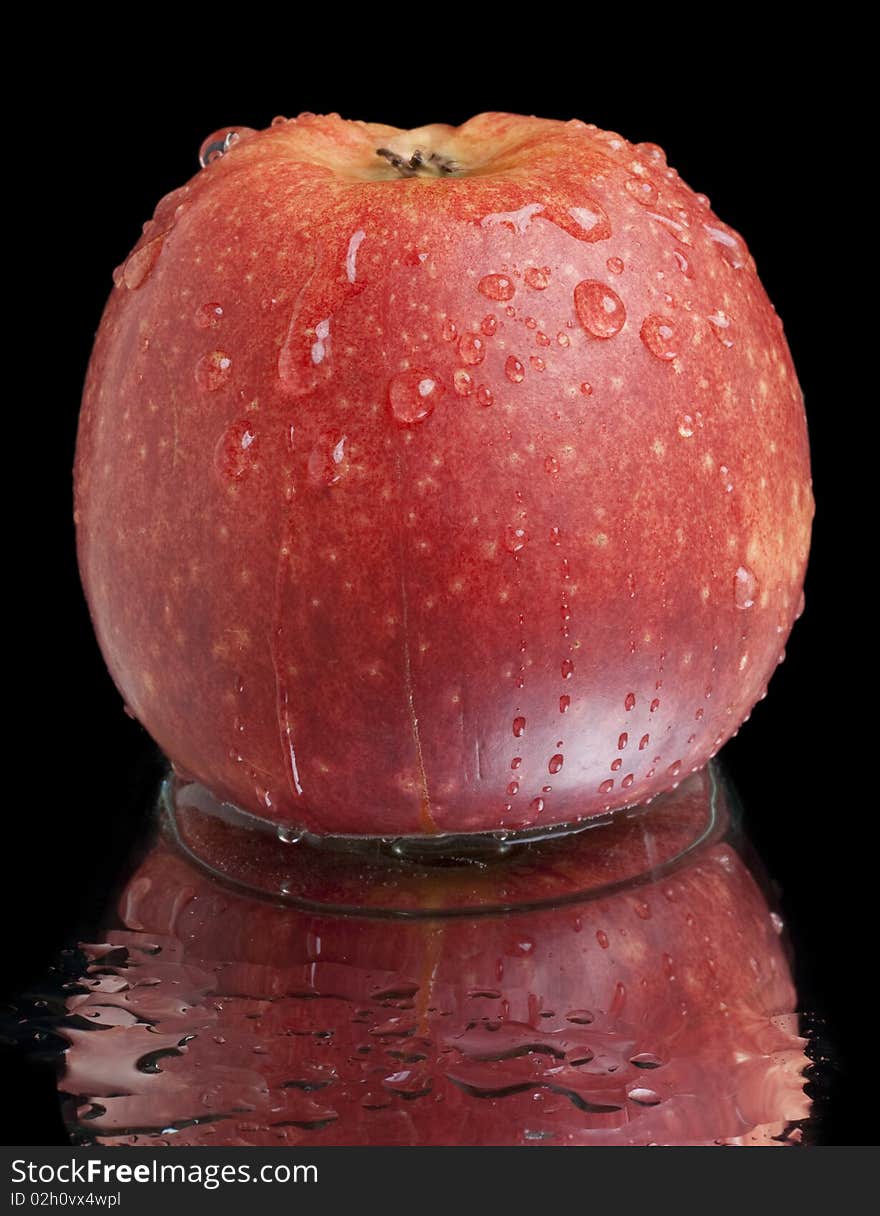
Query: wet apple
x=443, y=480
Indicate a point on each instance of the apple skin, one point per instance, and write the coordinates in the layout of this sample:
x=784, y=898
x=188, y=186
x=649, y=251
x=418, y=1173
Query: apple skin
x=289, y=1026
x=402, y=499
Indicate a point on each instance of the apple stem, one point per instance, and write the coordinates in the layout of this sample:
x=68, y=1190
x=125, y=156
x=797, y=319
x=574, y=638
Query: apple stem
x=424, y=163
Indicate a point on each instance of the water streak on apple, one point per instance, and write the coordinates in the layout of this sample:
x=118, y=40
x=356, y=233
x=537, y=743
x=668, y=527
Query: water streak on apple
x=311, y=464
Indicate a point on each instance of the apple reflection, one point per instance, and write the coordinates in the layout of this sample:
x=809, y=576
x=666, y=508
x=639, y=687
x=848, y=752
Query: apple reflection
x=626, y=985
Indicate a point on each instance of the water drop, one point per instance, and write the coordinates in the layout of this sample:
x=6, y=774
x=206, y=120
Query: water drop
x=628, y=780
x=587, y=389
x=327, y=463
x=615, y=265
x=646, y=1059
x=208, y=316
x=516, y=762
x=674, y=768
x=536, y=806
x=484, y=395
x=555, y=536
x=213, y=370
x=537, y=363
x=137, y=268
x=463, y=382
x=472, y=349
x=719, y=323
x=655, y=705
x=448, y=333
x=290, y=835
x=496, y=287
x=537, y=277
x=236, y=449
x=629, y=701
x=567, y=667
x=413, y=395
x=641, y=190
x=745, y=588
x=622, y=741
x=683, y=264
x=659, y=337
x=219, y=143
x=731, y=250
x=643, y=742
x=602, y=938
x=551, y=464
x=513, y=788
x=489, y=325
x=556, y=763
x=519, y=727
x=599, y=309
x=644, y=1097
x=616, y=765
x=514, y=370
x=591, y=222
x=777, y=922
x=515, y=539
x=607, y=786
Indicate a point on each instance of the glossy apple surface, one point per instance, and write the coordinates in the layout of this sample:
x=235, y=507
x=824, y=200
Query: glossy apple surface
x=441, y=480
x=649, y=1001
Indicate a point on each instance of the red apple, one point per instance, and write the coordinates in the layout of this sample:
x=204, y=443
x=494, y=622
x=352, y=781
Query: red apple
x=646, y=999
x=440, y=480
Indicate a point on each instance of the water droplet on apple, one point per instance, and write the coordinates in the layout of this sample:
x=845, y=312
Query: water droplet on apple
x=601, y=935
x=719, y=323
x=622, y=741
x=627, y=781
x=745, y=587
x=683, y=264
x=497, y=287
x=606, y=787
x=730, y=247
x=514, y=370
x=551, y=465
x=327, y=464
x=587, y=389
x=513, y=788
x=489, y=325
x=519, y=727
x=484, y=395
x=599, y=309
x=449, y=332
x=567, y=668
x=777, y=922
x=564, y=704
x=615, y=265
x=655, y=705
x=208, y=316
x=644, y=1097
x=219, y=143
x=537, y=277
x=139, y=265
x=556, y=763
x=472, y=349
x=591, y=222
x=616, y=765
x=537, y=363
x=463, y=382
x=213, y=370
x=629, y=701
x=641, y=190
x=536, y=806
x=413, y=395
x=659, y=336
x=236, y=450
x=288, y=834
x=516, y=762
x=515, y=539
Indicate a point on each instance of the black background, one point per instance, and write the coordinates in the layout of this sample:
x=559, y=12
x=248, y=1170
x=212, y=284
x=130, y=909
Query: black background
x=763, y=133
